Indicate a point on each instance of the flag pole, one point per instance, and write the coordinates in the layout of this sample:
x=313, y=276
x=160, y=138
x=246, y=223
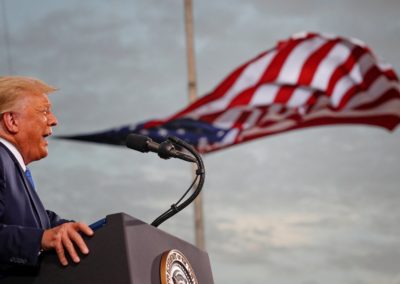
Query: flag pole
x=192, y=91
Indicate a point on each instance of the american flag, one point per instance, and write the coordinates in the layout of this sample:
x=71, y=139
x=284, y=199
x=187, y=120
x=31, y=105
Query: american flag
x=307, y=80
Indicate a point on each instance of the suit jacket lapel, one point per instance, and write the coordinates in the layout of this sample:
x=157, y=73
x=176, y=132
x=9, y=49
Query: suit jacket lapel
x=37, y=205
x=35, y=201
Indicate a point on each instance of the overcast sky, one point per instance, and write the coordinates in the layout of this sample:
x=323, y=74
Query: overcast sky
x=318, y=205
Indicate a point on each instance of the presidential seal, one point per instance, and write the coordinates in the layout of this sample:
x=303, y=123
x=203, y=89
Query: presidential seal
x=176, y=269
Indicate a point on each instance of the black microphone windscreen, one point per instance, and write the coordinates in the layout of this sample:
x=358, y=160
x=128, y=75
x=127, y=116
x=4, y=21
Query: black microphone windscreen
x=138, y=142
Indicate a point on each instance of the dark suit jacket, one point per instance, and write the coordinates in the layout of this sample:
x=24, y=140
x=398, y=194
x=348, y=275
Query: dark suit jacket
x=22, y=216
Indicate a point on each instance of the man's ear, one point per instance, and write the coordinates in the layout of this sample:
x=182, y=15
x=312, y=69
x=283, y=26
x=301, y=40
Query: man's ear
x=10, y=122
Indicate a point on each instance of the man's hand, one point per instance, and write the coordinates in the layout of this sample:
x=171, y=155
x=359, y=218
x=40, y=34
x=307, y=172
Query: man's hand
x=64, y=237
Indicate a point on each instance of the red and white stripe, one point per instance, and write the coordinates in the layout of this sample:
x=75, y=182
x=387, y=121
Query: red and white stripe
x=308, y=80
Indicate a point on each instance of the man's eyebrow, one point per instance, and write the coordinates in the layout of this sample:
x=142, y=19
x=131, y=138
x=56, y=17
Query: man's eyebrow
x=46, y=106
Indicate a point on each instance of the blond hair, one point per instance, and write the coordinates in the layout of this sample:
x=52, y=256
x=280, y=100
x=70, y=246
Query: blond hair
x=13, y=88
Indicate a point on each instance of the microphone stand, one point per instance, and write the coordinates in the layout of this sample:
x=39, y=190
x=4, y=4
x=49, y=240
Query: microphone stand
x=200, y=175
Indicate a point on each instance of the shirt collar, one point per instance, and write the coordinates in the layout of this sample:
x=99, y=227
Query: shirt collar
x=15, y=152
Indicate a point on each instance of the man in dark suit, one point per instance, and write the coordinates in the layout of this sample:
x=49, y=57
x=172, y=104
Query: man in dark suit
x=26, y=228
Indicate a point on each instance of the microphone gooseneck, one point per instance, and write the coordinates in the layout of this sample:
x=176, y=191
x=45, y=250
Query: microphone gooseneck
x=167, y=150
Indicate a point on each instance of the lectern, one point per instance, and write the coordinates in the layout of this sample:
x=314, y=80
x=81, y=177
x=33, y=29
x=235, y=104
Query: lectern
x=124, y=251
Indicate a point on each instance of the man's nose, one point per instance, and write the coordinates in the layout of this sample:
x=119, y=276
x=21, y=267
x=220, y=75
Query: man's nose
x=52, y=120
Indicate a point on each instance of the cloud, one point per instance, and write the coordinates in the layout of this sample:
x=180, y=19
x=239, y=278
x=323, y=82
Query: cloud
x=281, y=231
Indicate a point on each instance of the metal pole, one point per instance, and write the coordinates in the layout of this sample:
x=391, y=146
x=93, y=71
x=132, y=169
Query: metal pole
x=192, y=87
x=192, y=90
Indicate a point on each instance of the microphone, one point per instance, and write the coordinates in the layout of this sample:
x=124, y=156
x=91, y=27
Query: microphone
x=165, y=150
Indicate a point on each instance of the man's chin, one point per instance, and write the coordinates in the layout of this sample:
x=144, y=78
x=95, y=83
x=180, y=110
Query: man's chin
x=43, y=154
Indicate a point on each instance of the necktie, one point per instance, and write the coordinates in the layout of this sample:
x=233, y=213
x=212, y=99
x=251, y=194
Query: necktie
x=29, y=177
